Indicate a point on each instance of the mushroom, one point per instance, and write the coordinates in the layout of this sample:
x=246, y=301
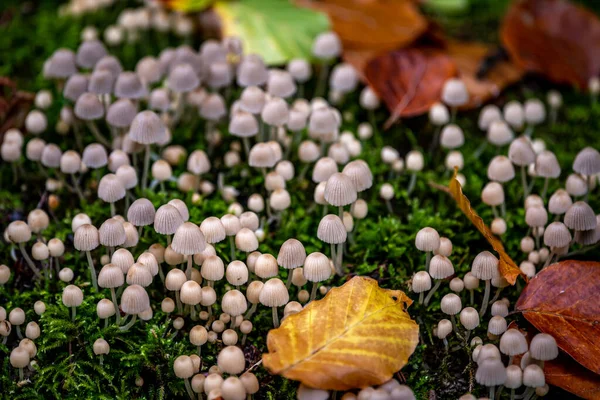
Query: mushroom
x=101, y=347
x=106, y=309
x=146, y=128
x=274, y=294
x=490, y=372
x=16, y=317
x=440, y=268
x=20, y=233
x=184, y=368
x=72, y=297
x=521, y=154
x=331, y=230
x=111, y=276
x=427, y=240
x=188, y=240
x=316, y=269
x=19, y=358
x=134, y=301
x=87, y=239
x=326, y=47
x=421, y=282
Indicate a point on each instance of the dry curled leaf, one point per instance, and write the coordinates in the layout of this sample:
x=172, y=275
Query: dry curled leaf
x=508, y=268
x=555, y=38
x=359, y=335
x=409, y=80
x=562, y=300
x=565, y=373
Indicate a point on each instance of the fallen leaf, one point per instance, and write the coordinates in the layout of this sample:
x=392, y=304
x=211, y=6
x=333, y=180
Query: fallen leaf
x=359, y=335
x=565, y=373
x=507, y=266
x=409, y=80
x=562, y=301
x=375, y=25
x=277, y=30
x=468, y=57
x=14, y=105
x=187, y=5
x=555, y=38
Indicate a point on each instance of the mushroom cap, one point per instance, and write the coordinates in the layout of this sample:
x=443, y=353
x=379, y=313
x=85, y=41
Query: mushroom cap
x=500, y=169
x=75, y=86
x=148, y=260
x=86, y=238
x=533, y=376
x=421, y=282
x=249, y=220
x=252, y=71
x=51, y=156
x=88, y=107
x=497, y=325
x=492, y=194
x=452, y=137
x=123, y=259
x=110, y=276
x=101, y=346
x=111, y=189
x=246, y=240
x=134, y=300
x=110, y=63
x=138, y=274
x=543, y=347
x=213, y=107
x=141, y=212
x=19, y=232
x=121, y=113
x=559, y=202
x=175, y=279
x=451, y=304
x=266, y=266
x=576, y=185
x=19, y=357
x=323, y=124
x=469, y=318
x=182, y=78
x=535, y=112
x=234, y=303
x=491, y=372
x=536, y=216
x=360, y=173
x=557, y=235
x=243, y=124
x=253, y=291
x=213, y=268
x=148, y=69
x=190, y=293
x=167, y=219
x=292, y=254
x=147, y=128
x=514, y=114
x=128, y=176
x=580, y=217
x=233, y=388
x=275, y=112
x=280, y=83
x=250, y=382
x=198, y=162
x=487, y=115
x=198, y=335
x=546, y=165
x=274, y=293
x=520, y=152
x=309, y=151
x=129, y=86
x=316, y=267
x=513, y=343
x=262, y=156
x=231, y=360
x=327, y=45
x=485, y=266
x=188, y=239
x=213, y=230
x=427, y=239
x=183, y=367
x=300, y=69
x=340, y=190
x=112, y=233
x=343, y=78
x=61, y=64
x=331, y=229
x=159, y=100
x=72, y=296
x=101, y=82
x=455, y=93
x=440, y=267
x=236, y=273
x=587, y=161
x=70, y=162
x=252, y=100
x=89, y=53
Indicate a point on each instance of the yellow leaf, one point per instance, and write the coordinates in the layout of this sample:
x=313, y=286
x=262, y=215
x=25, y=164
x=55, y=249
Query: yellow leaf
x=359, y=335
x=507, y=266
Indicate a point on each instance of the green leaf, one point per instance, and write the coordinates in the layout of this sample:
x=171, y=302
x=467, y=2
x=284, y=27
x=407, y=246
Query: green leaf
x=277, y=30
x=188, y=5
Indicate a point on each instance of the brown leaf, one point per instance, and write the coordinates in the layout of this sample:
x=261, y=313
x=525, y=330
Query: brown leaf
x=555, y=38
x=507, y=266
x=409, y=80
x=375, y=25
x=14, y=105
x=565, y=373
x=468, y=58
x=359, y=335
x=562, y=300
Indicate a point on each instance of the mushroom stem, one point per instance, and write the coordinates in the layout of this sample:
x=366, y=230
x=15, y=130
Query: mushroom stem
x=113, y=295
x=129, y=324
x=92, y=270
x=495, y=211
x=288, y=283
x=427, y=260
x=112, y=209
x=29, y=261
x=486, y=297
x=421, y=296
x=73, y=313
x=275, y=317
x=21, y=377
x=589, y=187
x=321, y=83
x=412, y=183
x=545, y=189
x=146, y=166
x=340, y=256
x=512, y=394
x=313, y=292
x=492, y=393
x=178, y=301
x=524, y=182
x=188, y=388
x=77, y=188
x=231, y=248
x=435, y=287
x=334, y=258
x=96, y=133
x=246, y=142
x=188, y=271
x=472, y=296
x=105, y=323
x=496, y=295
x=19, y=334
x=193, y=313
x=101, y=356
x=549, y=259
x=251, y=311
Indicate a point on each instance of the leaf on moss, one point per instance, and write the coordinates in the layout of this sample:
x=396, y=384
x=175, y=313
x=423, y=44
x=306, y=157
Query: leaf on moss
x=507, y=266
x=277, y=30
x=359, y=335
x=562, y=301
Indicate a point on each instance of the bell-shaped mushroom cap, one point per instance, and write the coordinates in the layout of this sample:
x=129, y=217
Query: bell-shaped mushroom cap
x=469, y=318
x=101, y=82
x=323, y=124
x=309, y=151
x=191, y=293
x=129, y=86
x=198, y=162
x=76, y=86
x=487, y=115
x=141, y=212
x=101, y=346
x=212, y=268
x=513, y=343
x=252, y=71
x=451, y=304
x=246, y=240
x=134, y=300
x=252, y=100
x=559, y=202
x=231, y=223
x=536, y=216
x=121, y=113
x=19, y=232
x=219, y=75
x=452, y=137
x=86, y=238
x=331, y=229
x=534, y=111
x=70, y=162
x=243, y=124
x=182, y=78
x=580, y=217
x=360, y=173
x=262, y=156
x=148, y=260
x=500, y=169
x=231, y=360
x=275, y=112
x=327, y=45
x=123, y=259
x=125, y=172
x=61, y=64
x=109, y=63
x=148, y=128
x=291, y=254
x=236, y=273
x=181, y=207
x=213, y=107
x=159, y=100
x=51, y=156
x=491, y=372
x=110, y=188
x=88, y=107
x=514, y=377
x=557, y=235
x=233, y=388
x=440, y=267
x=112, y=233
x=587, y=162
x=421, y=282
x=300, y=69
x=72, y=296
x=427, y=239
x=543, y=347
x=148, y=69
x=454, y=93
x=89, y=53
x=19, y=357
x=499, y=133
x=274, y=293
x=175, y=279
x=280, y=84
x=266, y=266
x=213, y=230
x=520, y=152
x=234, y=303
x=167, y=219
x=95, y=156
x=497, y=325
x=340, y=190
x=343, y=78
x=110, y=276
x=316, y=267
x=546, y=165
x=485, y=266
x=188, y=239
x=533, y=376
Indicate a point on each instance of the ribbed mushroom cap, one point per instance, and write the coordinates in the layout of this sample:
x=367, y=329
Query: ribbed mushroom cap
x=340, y=190
x=188, y=239
x=533, y=376
x=51, y=156
x=236, y=273
x=110, y=276
x=75, y=87
x=213, y=230
x=147, y=128
x=198, y=162
x=327, y=45
x=559, y=202
x=182, y=78
x=513, y=343
x=454, y=93
x=89, y=53
x=546, y=165
x=266, y=266
x=231, y=223
x=111, y=233
x=231, y=360
x=543, y=347
x=234, y=303
x=324, y=169
x=274, y=293
x=280, y=84
x=275, y=112
x=514, y=377
x=243, y=124
x=191, y=293
x=252, y=100
x=317, y=267
x=167, y=219
x=105, y=309
x=123, y=259
x=427, y=239
x=148, y=69
x=101, y=82
x=444, y=328
x=497, y=325
x=500, y=169
x=246, y=240
x=174, y=279
x=580, y=217
x=252, y=72
x=557, y=235
x=490, y=372
x=88, y=107
x=485, y=266
x=101, y=346
x=323, y=124
x=61, y=64
x=129, y=86
x=331, y=229
x=469, y=318
x=457, y=285
x=499, y=133
x=121, y=113
x=421, y=282
x=141, y=212
x=262, y=156
x=536, y=216
x=292, y=254
x=520, y=152
x=213, y=107
x=576, y=185
x=587, y=161
x=109, y=63
x=360, y=173
x=213, y=268
x=78, y=220
x=148, y=261
x=110, y=188
x=249, y=220
x=72, y=296
x=134, y=300
x=452, y=137
x=451, y=304
x=487, y=115
x=440, y=267
x=343, y=78
x=86, y=238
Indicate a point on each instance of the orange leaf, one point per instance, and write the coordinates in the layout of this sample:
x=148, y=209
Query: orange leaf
x=372, y=24
x=359, y=335
x=507, y=266
x=572, y=377
x=409, y=80
x=555, y=38
x=562, y=301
